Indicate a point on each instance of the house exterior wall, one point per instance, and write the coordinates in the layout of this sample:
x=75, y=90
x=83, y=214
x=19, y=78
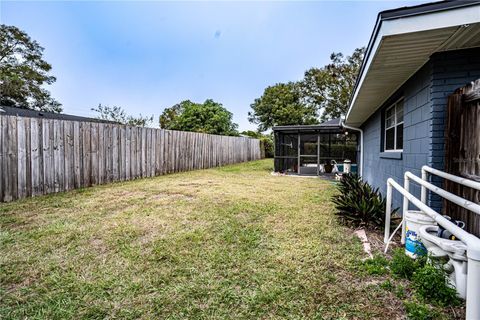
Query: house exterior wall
x=425, y=95
x=417, y=108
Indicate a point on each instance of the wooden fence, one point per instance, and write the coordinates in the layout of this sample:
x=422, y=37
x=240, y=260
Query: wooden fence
x=40, y=156
x=462, y=151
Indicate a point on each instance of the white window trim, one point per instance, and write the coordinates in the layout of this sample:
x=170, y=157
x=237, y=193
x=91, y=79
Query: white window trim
x=395, y=126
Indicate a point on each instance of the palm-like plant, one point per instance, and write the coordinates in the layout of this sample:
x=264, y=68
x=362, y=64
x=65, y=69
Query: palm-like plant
x=359, y=203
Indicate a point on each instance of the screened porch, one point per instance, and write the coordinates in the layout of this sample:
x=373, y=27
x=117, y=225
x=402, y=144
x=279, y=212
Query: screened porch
x=323, y=149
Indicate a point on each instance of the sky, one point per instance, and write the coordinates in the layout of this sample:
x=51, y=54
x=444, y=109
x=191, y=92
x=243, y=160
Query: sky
x=146, y=56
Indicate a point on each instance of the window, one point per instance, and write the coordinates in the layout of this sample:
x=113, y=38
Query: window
x=394, y=127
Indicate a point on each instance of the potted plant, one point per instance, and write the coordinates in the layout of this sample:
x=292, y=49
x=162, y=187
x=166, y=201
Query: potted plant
x=328, y=167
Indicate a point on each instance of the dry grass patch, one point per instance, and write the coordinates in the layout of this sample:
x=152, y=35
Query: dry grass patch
x=231, y=242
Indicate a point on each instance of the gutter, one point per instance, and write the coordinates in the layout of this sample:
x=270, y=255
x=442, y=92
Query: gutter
x=342, y=123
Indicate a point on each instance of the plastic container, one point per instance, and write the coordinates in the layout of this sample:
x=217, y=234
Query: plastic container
x=347, y=166
x=414, y=220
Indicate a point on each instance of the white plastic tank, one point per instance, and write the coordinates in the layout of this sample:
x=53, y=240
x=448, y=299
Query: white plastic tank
x=414, y=219
x=347, y=166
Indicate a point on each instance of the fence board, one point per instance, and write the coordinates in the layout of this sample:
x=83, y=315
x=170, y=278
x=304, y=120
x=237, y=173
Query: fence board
x=121, y=157
x=21, y=158
x=114, y=153
x=35, y=157
x=462, y=151
x=127, y=152
x=77, y=162
x=69, y=162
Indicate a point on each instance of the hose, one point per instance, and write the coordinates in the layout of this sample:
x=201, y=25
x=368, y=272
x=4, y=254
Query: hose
x=391, y=237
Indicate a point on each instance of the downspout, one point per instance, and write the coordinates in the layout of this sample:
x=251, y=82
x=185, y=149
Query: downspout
x=361, y=144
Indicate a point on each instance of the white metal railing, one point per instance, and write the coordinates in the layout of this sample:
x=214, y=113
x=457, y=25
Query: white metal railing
x=472, y=242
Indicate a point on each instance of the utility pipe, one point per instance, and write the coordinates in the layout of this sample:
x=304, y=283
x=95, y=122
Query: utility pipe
x=360, y=171
x=388, y=213
x=444, y=194
x=406, y=185
x=460, y=180
x=472, y=242
x=423, y=195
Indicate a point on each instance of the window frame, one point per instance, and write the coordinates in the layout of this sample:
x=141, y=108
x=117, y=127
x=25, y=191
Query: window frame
x=395, y=125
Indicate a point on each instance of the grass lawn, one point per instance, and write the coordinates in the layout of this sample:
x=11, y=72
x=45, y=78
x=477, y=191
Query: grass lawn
x=232, y=242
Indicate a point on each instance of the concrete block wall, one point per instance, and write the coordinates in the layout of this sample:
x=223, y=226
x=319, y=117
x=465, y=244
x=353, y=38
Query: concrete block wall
x=417, y=108
x=450, y=70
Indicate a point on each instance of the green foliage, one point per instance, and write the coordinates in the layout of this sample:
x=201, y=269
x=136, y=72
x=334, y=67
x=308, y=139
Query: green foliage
x=404, y=266
x=267, y=142
x=358, y=203
x=387, y=285
x=324, y=91
x=208, y=117
x=117, y=114
x=431, y=283
x=420, y=311
x=378, y=265
x=329, y=88
x=252, y=134
x=281, y=104
x=23, y=72
x=400, y=291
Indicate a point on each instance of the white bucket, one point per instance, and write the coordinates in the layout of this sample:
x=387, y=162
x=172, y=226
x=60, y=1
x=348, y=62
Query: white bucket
x=414, y=220
x=347, y=166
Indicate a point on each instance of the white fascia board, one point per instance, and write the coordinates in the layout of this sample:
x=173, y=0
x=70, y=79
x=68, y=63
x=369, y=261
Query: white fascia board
x=423, y=22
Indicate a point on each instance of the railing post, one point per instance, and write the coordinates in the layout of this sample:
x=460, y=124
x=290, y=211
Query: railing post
x=388, y=212
x=406, y=185
x=473, y=287
x=423, y=196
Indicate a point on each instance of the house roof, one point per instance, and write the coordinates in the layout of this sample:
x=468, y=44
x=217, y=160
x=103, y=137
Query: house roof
x=334, y=124
x=23, y=112
x=402, y=42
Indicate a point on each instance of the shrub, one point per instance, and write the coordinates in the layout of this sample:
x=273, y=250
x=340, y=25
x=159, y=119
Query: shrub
x=420, y=311
x=358, y=203
x=404, y=266
x=267, y=142
x=378, y=265
x=431, y=283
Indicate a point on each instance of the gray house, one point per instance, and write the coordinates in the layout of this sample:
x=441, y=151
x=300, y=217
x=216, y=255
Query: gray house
x=417, y=57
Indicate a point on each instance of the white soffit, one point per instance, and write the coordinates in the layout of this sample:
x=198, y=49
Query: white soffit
x=402, y=46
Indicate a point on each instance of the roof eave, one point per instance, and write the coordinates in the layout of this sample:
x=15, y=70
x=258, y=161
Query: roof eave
x=374, y=42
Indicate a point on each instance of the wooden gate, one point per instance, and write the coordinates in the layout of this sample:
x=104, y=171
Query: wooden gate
x=462, y=150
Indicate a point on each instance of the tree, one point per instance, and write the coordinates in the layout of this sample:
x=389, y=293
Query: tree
x=23, y=72
x=252, y=134
x=117, y=114
x=282, y=104
x=207, y=117
x=169, y=116
x=329, y=88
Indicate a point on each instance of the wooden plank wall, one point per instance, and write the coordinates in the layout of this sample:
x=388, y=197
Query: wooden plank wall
x=462, y=151
x=40, y=156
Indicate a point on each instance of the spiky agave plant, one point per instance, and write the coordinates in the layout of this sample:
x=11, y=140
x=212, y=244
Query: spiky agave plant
x=358, y=203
